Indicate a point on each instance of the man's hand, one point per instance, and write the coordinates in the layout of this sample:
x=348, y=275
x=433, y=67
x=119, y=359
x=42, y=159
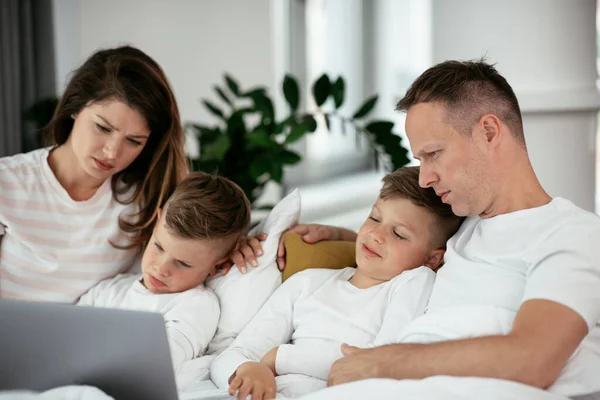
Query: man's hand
x=356, y=365
x=311, y=233
x=247, y=249
x=270, y=358
x=254, y=379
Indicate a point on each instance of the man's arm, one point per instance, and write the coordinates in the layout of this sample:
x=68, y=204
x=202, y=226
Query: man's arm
x=544, y=336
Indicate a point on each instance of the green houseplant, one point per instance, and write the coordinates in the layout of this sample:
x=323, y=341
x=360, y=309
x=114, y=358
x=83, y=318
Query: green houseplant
x=249, y=146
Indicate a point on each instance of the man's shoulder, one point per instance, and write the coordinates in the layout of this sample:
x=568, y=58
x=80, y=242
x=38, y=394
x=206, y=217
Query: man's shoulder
x=571, y=222
x=574, y=212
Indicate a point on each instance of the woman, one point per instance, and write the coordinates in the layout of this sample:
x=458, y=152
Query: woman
x=78, y=212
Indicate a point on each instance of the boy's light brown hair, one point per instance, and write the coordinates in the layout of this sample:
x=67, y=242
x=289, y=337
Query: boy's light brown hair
x=404, y=183
x=208, y=206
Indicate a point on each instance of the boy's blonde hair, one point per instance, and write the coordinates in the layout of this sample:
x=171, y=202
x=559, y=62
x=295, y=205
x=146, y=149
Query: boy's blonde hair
x=208, y=206
x=404, y=183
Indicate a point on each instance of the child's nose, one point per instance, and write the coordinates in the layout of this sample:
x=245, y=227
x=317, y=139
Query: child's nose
x=377, y=235
x=163, y=269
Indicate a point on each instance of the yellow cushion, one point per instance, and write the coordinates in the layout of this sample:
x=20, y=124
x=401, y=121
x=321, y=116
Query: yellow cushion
x=327, y=254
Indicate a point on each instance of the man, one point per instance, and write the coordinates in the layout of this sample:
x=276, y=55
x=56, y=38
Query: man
x=518, y=299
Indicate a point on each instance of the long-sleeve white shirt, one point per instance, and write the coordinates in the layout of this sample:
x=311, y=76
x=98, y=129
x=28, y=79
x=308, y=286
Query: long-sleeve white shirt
x=317, y=310
x=191, y=317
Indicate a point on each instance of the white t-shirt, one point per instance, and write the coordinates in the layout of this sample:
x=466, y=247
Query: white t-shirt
x=54, y=248
x=191, y=317
x=313, y=313
x=492, y=266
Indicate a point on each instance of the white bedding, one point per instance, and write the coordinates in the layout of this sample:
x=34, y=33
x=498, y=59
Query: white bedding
x=194, y=372
x=62, y=393
x=434, y=388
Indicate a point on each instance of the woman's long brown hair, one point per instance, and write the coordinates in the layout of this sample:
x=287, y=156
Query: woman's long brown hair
x=129, y=75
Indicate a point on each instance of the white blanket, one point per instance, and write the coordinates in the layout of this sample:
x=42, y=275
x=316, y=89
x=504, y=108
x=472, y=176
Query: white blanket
x=434, y=388
x=194, y=372
x=61, y=393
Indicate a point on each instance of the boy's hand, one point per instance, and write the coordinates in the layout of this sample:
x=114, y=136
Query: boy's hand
x=254, y=379
x=247, y=249
x=270, y=358
x=311, y=233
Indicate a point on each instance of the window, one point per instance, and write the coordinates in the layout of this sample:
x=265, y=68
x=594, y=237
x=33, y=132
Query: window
x=378, y=47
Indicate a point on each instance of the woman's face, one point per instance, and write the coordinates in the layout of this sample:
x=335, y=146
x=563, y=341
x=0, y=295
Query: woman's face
x=107, y=137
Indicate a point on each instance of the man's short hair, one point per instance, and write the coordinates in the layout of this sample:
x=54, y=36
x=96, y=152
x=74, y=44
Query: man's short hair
x=207, y=206
x=404, y=183
x=468, y=90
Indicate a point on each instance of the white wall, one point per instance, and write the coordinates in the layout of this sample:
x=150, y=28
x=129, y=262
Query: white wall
x=546, y=50
x=66, y=16
x=195, y=41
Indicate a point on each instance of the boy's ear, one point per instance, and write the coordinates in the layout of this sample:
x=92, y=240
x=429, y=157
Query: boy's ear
x=435, y=259
x=215, y=269
x=222, y=260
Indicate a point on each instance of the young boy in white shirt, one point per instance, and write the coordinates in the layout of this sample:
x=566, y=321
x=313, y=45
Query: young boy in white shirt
x=292, y=342
x=194, y=233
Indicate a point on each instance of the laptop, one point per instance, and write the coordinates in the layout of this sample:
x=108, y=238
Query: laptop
x=47, y=345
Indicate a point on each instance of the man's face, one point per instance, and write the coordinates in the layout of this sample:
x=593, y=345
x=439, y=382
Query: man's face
x=454, y=164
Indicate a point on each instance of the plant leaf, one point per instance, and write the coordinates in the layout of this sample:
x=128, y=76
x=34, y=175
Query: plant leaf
x=289, y=157
x=321, y=90
x=295, y=134
x=218, y=149
x=399, y=158
x=327, y=122
x=262, y=104
x=277, y=172
x=223, y=96
x=380, y=127
x=201, y=129
x=337, y=90
x=291, y=92
x=259, y=167
x=213, y=109
x=232, y=84
x=366, y=108
x=309, y=122
x=261, y=139
x=206, y=135
x=253, y=92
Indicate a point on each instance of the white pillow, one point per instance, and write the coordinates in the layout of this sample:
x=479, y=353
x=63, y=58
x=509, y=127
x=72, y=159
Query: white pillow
x=242, y=295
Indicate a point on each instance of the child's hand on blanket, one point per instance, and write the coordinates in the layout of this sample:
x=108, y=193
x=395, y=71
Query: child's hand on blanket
x=253, y=378
x=269, y=359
